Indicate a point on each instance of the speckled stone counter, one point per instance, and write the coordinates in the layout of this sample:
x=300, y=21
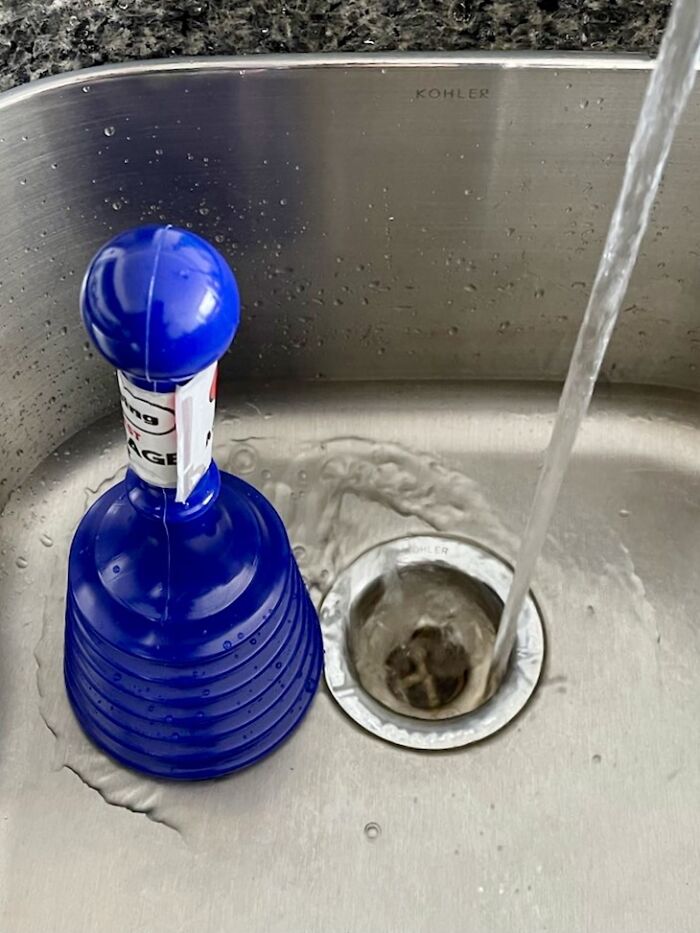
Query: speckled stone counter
x=43, y=37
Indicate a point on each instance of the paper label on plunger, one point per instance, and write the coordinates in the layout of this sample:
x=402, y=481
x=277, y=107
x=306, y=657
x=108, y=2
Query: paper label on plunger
x=151, y=439
x=169, y=434
x=195, y=403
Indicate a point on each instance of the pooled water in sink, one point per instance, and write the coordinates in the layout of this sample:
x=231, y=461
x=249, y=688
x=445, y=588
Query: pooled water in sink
x=337, y=498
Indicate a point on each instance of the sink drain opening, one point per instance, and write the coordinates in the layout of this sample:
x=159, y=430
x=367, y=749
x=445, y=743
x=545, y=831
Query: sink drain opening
x=409, y=629
x=420, y=639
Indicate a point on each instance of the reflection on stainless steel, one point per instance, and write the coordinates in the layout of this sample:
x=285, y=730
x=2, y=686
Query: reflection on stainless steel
x=377, y=229
x=386, y=224
x=368, y=699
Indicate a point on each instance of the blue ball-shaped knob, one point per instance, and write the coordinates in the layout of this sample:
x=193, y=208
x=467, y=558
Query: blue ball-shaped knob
x=160, y=303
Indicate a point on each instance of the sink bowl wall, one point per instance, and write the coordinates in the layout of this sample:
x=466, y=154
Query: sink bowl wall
x=388, y=217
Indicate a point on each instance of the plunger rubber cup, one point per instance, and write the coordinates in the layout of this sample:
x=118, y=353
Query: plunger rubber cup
x=192, y=648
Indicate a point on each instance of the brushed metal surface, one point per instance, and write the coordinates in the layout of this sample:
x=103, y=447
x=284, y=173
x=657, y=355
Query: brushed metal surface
x=389, y=217
x=387, y=340
x=582, y=815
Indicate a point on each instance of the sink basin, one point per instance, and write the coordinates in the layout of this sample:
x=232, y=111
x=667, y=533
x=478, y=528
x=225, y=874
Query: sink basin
x=414, y=238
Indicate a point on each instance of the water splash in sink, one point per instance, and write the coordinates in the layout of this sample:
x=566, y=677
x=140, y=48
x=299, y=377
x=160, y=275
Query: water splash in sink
x=337, y=498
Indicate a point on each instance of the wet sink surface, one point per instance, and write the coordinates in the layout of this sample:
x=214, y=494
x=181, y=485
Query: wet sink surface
x=396, y=250
x=581, y=815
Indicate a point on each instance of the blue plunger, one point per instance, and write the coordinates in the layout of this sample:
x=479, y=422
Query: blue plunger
x=192, y=648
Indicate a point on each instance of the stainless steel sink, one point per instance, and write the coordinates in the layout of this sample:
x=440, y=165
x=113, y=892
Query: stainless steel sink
x=414, y=237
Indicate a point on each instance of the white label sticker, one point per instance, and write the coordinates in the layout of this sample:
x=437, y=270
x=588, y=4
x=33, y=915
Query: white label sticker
x=195, y=403
x=169, y=434
x=149, y=419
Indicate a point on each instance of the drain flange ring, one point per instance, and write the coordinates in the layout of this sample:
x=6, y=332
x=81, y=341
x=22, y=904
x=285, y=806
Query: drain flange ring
x=462, y=557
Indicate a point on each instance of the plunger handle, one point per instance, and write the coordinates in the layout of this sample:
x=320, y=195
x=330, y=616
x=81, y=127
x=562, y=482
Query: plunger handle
x=162, y=306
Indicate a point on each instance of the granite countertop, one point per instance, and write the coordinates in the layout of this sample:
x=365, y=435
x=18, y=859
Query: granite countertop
x=43, y=37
